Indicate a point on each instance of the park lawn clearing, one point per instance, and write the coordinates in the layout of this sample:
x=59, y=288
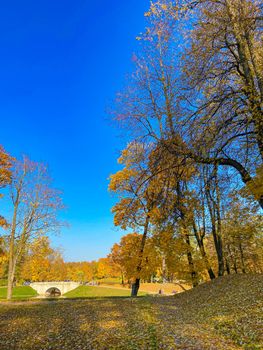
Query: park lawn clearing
x=154, y=288
x=20, y=292
x=225, y=314
x=98, y=292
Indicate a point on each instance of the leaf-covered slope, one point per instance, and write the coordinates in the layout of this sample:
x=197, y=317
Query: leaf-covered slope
x=228, y=308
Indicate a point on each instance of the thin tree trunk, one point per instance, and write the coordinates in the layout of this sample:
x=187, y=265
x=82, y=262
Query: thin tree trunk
x=136, y=284
x=11, y=263
x=221, y=266
x=163, y=269
x=214, y=211
x=243, y=268
x=10, y=278
x=191, y=262
x=227, y=266
x=200, y=243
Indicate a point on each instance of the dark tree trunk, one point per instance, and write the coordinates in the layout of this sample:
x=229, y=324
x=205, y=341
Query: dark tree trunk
x=227, y=267
x=136, y=284
x=135, y=287
x=220, y=255
x=213, y=202
x=200, y=242
x=243, y=268
x=191, y=262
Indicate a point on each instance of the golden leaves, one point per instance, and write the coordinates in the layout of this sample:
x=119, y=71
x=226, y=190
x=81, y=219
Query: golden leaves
x=119, y=181
x=255, y=186
x=6, y=162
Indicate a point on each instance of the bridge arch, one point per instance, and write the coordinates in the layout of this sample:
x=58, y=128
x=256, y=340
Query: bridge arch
x=53, y=292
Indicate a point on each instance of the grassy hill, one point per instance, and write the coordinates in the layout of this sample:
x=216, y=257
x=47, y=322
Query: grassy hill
x=225, y=314
x=20, y=292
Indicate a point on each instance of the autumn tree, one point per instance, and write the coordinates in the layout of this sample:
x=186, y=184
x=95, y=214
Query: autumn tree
x=105, y=268
x=128, y=255
x=116, y=258
x=35, y=205
x=80, y=271
x=42, y=263
x=6, y=162
x=138, y=200
x=221, y=82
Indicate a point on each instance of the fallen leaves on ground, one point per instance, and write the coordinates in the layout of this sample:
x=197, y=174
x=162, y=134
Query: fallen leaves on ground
x=223, y=314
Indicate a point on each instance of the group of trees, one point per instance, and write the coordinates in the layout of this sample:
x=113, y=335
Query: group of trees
x=40, y=262
x=192, y=173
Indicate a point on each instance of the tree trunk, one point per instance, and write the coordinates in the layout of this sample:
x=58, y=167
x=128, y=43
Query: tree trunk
x=227, y=266
x=10, y=278
x=200, y=243
x=221, y=266
x=207, y=263
x=163, y=269
x=135, y=287
x=243, y=268
x=214, y=211
x=136, y=284
x=191, y=262
x=11, y=262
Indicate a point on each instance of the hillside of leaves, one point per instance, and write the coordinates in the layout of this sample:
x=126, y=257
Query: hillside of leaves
x=222, y=314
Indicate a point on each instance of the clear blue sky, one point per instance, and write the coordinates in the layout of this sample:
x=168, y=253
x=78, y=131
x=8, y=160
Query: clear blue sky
x=61, y=63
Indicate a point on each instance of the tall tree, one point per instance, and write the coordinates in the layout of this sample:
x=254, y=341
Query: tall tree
x=221, y=82
x=138, y=198
x=34, y=211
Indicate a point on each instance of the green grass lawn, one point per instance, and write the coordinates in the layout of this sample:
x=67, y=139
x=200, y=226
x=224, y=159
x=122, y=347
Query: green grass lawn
x=98, y=292
x=22, y=292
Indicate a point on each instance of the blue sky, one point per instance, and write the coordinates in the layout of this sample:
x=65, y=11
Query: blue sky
x=61, y=64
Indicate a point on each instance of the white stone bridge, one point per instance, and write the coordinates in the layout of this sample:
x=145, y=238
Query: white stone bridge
x=53, y=288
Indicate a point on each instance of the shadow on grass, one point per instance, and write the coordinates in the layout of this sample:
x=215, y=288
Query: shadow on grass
x=78, y=323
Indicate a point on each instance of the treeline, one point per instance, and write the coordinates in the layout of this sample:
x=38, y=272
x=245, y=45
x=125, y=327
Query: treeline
x=41, y=262
x=192, y=173
x=164, y=260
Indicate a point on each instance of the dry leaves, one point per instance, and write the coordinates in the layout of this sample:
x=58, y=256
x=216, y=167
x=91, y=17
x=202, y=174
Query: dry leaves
x=224, y=314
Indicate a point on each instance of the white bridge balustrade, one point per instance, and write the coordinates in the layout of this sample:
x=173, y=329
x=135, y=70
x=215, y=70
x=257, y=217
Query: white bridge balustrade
x=44, y=287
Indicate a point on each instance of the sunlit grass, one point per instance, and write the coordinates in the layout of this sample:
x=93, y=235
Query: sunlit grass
x=98, y=292
x=22, y=292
